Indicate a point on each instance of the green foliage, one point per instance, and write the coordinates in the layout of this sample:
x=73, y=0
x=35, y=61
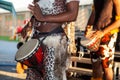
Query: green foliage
x=6, y=38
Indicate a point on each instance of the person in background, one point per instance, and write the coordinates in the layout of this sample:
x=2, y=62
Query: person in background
x=20, y=67
x=105, y=21
x=49, y=18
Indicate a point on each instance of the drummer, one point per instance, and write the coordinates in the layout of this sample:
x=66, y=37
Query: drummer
x=105, y=19
x=52, y=14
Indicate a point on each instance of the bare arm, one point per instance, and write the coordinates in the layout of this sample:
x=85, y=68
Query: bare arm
x=89, y=26
x=92, y=18
x=69, y=15
x=116, y=24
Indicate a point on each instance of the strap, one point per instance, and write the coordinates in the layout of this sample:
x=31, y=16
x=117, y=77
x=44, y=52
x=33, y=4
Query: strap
x=56, y=30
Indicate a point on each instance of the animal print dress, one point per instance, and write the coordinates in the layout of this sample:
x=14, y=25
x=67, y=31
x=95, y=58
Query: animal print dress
x=55, y=52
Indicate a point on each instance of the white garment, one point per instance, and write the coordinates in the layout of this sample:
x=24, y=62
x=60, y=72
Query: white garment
x=53, y=6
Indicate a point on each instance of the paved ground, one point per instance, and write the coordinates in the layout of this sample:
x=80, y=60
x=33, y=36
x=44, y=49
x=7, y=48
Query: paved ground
x=8, y=72
x=7, y=51
x=8, y=64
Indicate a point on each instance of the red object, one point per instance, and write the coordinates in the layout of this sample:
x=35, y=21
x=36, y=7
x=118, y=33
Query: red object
x=26, y=21
x=39, y=55
x=19, y=29
x=106, y=38
x=105, y=63
x=34, y=60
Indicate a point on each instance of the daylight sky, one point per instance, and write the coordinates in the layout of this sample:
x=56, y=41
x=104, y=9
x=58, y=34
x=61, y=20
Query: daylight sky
x=18, y=4
x=22, y=4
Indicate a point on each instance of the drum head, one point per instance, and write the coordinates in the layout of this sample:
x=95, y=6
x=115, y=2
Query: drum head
x=27, y=50
x=84, y=41
x=92, y=45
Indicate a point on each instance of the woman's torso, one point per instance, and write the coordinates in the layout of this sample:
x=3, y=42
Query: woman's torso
x=51, y=7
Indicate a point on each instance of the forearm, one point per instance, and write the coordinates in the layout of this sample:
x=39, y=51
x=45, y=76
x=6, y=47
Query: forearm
x=116, y=24
x=89, y=26
x=113, y=26
x=64, y=17
x=91, y=18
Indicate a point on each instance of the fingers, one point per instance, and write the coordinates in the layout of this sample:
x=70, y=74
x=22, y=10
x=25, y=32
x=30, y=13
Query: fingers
x=88, y=33
x=36, y=5
x=92, y=36
x=36, y=11
x=35, y=1
x=31, y=7
x=97, y=34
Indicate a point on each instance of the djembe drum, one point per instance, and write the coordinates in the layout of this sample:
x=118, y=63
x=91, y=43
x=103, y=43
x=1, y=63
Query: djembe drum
x=30, y=53
x=91, y=44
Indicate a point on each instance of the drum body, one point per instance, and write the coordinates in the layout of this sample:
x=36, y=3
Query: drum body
x=92, y=45
x=30, y=53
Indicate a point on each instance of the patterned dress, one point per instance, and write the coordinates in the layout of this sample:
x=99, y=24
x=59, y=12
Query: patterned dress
x=55, y=46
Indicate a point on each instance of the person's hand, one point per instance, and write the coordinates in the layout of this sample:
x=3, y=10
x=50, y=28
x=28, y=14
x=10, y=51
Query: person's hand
x=88, y=31
x=97, y=34
x=34, y=1
x=36, y=11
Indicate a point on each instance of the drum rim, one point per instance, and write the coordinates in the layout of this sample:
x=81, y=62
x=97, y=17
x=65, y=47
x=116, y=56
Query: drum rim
x=90, y=42
x=29, y=54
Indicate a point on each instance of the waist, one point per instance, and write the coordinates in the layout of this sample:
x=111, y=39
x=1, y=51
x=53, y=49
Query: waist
x=47, y=27
x=55, y=31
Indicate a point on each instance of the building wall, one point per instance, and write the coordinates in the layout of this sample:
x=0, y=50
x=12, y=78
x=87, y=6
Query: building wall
x=8, y=23
x=83, y=16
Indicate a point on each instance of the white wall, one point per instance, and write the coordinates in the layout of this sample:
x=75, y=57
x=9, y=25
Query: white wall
x=86, y=2
x=20, y=5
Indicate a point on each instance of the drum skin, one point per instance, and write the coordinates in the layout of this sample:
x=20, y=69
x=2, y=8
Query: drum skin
x=92, y=45
x=30, y=53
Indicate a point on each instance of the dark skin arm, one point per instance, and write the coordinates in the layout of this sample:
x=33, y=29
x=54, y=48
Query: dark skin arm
x=92, y=18
x=89, y=24
x=114, y=25
x=69, y=15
